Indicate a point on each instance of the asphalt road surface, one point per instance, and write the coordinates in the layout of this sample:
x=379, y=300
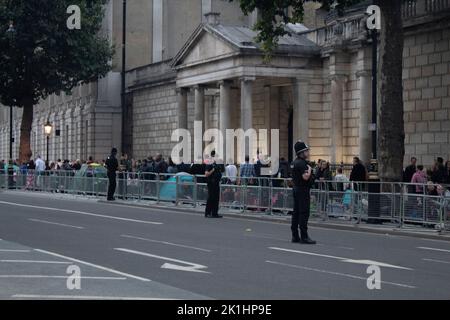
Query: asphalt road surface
x=125, y=252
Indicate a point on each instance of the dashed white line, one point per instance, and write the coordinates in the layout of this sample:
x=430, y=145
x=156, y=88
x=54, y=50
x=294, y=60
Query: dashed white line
x=166, y=243
x=35, y=261
x=13, y=250
x=337, y=274
x=56, y=223
x=39, y=276
x=433, y=249
x=438, y=261
x=93, y=265
x=64, y=297
x=80, y=212
x=357, y=261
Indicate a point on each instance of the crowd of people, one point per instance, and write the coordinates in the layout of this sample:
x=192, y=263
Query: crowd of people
x=435, y=178
x=249, y=172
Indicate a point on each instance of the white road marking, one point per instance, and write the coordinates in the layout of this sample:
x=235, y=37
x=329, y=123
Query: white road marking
x=56, y=223
x=93, y=265
x=38, y=276
x=439, y=261
x=337, y=274
x=366, y=262
x=80, y=212
x=165, y=242
x=284, y=240
x=191, y=267
x=433, y=249
x=62, y=297
x=35, y=261
x=13, y=250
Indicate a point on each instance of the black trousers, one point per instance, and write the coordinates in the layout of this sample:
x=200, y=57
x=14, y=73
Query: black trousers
x=212, y=204
x=112, y=185
x=300, y=216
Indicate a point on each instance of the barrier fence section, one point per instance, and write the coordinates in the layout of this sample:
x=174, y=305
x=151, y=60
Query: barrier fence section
x=404, y=205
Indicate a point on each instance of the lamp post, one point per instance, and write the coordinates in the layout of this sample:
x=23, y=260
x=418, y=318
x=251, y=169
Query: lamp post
x=123, y=85
x=10, y=33
x=48, y=131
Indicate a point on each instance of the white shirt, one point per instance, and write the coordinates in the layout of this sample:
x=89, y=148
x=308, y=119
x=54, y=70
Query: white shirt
x=231, y=172
x=342, y=178
x=40, y=164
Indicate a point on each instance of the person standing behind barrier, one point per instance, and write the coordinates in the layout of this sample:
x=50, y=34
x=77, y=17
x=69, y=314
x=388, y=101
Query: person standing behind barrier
x=358, y=174
x=303, y=180
x=213, y=175
x=419, y=179
x=112, y=165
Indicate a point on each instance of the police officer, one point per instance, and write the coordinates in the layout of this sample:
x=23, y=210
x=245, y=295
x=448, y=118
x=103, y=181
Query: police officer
x=213, y=175
x=112, y=165
x=303, y=179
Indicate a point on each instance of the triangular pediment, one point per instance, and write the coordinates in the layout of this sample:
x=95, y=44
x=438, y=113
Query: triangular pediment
x=202, y=47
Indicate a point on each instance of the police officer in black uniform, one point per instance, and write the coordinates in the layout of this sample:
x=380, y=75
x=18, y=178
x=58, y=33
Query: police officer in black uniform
x=213, y=175
x=303, y=179
x=112, y=165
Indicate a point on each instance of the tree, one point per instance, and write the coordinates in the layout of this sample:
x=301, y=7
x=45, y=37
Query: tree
x=391, y=134
x=41, y=56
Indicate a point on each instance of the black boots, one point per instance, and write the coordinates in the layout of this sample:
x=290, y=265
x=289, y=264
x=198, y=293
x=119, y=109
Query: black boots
x=307, y=240
x=303, y=240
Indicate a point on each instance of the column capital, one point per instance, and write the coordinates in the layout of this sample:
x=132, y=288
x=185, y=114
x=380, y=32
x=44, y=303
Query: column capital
x=228, y=82
x=363, y=73
x=182, y=90
x=199, y=87
x=338, y=77
x=247, y=79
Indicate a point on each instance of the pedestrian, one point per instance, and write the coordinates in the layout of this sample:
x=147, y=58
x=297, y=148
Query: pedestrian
x=303, y=180
x=172, y=168
x=439, y=174
x=341, y=180
x=112, y=165
x=358, y=174
x=419, y=179
x=213, y=176
x=410, y=170
x=231, y=172
x=247, y=172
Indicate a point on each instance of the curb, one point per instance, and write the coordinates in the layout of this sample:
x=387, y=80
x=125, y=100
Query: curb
x=287, y=220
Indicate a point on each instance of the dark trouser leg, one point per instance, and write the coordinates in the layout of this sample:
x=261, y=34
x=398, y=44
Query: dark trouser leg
x=216, y=199
x=209, y=202
x=112, y=186
x=304, y=217
x=295, y=217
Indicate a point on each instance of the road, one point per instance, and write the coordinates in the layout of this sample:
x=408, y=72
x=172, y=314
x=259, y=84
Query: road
x=127, y=252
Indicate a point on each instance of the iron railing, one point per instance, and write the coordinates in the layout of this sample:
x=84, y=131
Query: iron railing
x=401, y=204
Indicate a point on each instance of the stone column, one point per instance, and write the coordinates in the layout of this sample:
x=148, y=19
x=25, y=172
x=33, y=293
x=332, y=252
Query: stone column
x=224, y=110
x=247, y=102
x=182, y=108
x=337, y=105
x=199, y=108
x=365, y=118
x=301, y=110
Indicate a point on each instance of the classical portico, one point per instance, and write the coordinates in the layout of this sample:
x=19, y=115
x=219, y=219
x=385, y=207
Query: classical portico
x=224, y=62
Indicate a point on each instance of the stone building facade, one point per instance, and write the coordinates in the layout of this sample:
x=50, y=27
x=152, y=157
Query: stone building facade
x=187, y=63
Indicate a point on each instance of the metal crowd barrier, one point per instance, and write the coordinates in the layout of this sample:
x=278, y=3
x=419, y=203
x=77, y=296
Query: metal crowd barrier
x=404, y=205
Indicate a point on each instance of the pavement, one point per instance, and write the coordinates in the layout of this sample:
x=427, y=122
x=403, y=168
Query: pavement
x=57, y=247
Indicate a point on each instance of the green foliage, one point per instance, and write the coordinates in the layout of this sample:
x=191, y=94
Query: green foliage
x=274, y=17
x=42, y=56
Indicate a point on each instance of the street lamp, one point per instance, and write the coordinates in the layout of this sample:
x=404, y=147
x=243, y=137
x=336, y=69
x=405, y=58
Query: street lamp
x=10, y=34
x=48, y=131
